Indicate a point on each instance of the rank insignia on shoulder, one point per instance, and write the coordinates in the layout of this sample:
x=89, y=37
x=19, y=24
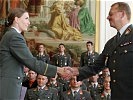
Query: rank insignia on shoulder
x=128, y=31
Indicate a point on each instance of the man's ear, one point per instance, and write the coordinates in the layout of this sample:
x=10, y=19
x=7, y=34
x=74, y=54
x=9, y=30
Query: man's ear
x=123, y=13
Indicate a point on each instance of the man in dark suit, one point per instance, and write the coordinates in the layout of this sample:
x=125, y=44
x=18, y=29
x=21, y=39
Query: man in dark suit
x=117, y=55
x=88, y=57
x=14, y=55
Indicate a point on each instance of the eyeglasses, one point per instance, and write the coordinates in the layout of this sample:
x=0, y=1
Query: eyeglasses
x=113, y=13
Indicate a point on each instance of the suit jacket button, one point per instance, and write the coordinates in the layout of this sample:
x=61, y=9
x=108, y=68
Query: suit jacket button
x=114, y=51
x=114, y=81
x=113, y=61
x=113, y=70
x=18, y=78
x=125, y=51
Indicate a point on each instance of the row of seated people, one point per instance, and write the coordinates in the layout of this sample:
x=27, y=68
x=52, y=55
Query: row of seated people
x=54, y=89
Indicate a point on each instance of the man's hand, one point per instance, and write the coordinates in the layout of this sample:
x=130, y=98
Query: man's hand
x=65, y=72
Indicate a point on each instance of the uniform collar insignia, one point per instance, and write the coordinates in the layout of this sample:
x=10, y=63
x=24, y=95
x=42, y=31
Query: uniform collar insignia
x=80, y=91
x=68, y=92
x=98, y=85
x=35, y=89
x=45, y=88
x=102, y=95
x=128, y=30
x=48, y=84
x=56, y=84
x=90, y=85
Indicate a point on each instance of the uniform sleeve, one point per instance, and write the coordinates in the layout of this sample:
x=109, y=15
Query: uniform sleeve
x=22, y=54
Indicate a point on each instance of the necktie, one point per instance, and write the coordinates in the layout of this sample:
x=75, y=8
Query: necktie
x=108, y=97
x=75, y=94
x=94, y=86
x=89, y=55
x=118, y=36
x=40, y=89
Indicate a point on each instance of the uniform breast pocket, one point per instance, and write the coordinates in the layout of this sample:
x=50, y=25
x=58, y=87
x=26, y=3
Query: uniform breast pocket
x=48, y=96
x=31, y=97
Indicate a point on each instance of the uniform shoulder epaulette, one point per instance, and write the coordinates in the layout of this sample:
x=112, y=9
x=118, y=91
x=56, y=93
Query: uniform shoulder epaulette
x=80, y=91
x=46, y=88
x=128, y=30
x=68, y=92
x=35, y=89
x=102, y=95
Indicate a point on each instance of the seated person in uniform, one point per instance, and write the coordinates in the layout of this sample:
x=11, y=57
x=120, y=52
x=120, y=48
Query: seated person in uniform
x=75, y=92
x=106, y=94
x=54, y=83
x=42, y=92
x=105, y=72
x=30, y=82
x=93, y=86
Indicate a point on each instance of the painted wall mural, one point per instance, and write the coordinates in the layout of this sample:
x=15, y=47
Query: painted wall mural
x=71, y=22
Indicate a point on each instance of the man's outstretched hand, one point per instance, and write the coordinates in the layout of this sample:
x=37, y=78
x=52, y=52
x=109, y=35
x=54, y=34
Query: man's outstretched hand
x=67, y=72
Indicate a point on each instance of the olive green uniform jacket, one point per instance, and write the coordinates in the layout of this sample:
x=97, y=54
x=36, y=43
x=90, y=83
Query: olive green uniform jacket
x=87, y=60
x=14, y=54
x=47, y=93
x=81, y=95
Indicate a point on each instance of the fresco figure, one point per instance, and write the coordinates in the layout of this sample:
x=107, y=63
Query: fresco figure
x=86, y=23
x=60, y=26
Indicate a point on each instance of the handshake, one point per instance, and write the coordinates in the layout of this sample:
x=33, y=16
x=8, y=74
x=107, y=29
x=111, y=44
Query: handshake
x=67, y=72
